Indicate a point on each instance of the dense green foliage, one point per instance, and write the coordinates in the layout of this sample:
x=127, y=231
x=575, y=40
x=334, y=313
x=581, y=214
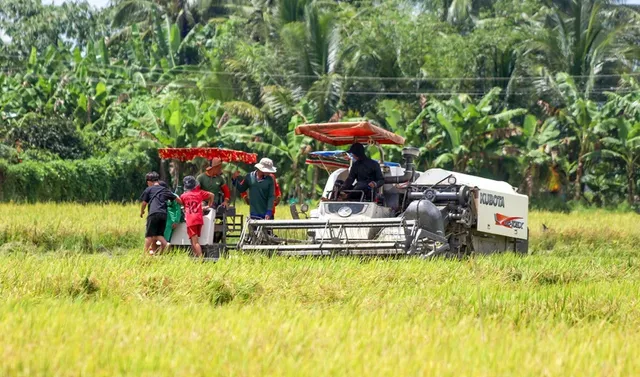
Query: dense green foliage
x=539, y=93
x=111, y=178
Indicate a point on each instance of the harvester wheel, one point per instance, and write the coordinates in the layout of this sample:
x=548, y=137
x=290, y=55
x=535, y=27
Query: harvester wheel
x=212, y=251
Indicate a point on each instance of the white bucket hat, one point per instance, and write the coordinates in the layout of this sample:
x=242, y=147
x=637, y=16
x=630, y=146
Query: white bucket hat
x=266, y=166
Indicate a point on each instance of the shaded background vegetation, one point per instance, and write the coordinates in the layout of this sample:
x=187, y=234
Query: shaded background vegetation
x=542, y=94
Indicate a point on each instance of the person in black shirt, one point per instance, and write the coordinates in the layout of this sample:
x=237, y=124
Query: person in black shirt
x=365, y=172
x=155, y=196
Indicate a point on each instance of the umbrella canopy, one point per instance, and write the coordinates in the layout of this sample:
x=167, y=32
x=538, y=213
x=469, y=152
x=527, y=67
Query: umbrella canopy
x=226, y=155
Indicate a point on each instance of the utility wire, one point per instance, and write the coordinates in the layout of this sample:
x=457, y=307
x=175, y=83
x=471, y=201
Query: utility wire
x=186, y=85
x=187, y=70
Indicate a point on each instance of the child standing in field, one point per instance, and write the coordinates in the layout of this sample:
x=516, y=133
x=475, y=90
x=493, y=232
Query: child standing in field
x=192, y=199
x=155, y=197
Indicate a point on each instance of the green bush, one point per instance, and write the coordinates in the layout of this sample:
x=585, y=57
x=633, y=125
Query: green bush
x=112, y=178
x=57, y=135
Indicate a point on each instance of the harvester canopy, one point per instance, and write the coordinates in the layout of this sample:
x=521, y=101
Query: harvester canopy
x=329, y=160
x=349, y=133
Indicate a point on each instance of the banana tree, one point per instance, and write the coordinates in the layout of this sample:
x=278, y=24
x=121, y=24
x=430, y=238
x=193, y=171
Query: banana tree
x=578, y=120
x=625, y=148
x=537, y=154
x=474, y=132
x=399, y=118
x=289, y=151
x=181, y=123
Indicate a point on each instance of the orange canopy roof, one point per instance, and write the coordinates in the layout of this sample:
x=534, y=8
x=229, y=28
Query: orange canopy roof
x=226, y=155
x=349, y=133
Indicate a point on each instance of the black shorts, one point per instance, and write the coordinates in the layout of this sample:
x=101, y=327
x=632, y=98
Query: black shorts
x=156, y=224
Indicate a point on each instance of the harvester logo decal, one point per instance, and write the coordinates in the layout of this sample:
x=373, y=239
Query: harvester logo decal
x=492, y=200
x=509, y=222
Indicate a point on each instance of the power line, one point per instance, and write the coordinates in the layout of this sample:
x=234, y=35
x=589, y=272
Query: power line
x=188, y=70
x=435, y=92
x=392, y=94
x=230, y=87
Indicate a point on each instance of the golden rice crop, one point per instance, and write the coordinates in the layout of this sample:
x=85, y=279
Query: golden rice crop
x=569, y=308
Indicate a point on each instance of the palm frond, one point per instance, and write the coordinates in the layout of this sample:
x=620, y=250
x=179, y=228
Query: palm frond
x=243, y=110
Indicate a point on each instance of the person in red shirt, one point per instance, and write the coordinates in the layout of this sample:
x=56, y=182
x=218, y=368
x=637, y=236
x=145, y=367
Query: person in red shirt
x=192, y=200
x=277, y=193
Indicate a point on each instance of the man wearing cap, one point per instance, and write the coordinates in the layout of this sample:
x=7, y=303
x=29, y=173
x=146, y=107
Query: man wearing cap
x=213, y=181
x=365, y=172
x=260, y=185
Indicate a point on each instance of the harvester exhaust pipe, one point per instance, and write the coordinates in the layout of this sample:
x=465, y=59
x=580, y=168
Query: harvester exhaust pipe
x=409, y=154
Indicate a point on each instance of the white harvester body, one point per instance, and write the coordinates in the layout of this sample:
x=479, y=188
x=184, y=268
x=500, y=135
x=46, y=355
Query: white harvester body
x=179, y=236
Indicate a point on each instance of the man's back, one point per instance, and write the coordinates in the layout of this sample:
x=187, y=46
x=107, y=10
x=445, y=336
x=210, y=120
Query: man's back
x=157, y=197
x=192, y=201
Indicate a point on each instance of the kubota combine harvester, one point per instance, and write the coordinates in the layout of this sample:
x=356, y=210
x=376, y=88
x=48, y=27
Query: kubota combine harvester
x=430, y=213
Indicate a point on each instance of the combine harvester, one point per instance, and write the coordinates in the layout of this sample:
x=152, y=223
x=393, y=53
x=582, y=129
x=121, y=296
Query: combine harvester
x=426, y=214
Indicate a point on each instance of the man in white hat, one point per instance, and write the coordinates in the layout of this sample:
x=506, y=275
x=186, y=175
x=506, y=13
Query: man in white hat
x=260, y=185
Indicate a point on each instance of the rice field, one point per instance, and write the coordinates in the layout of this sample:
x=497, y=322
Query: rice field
x=79, y=298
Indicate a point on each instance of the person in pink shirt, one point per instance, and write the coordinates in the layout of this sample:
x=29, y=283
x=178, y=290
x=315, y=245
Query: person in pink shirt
x=192, y=200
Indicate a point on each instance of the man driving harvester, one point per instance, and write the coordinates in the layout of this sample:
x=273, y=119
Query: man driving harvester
x=365, y=171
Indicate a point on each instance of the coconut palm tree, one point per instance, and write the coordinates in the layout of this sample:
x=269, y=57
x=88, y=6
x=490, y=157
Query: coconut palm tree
x=303, y=64
x=583, y=38
x=185, y=13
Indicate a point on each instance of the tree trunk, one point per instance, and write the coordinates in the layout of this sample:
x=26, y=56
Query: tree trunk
x=529, y=179
x=631, y=178
x=163, y=168
x=176, y=174
x=579, y=173
x=445, y=10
